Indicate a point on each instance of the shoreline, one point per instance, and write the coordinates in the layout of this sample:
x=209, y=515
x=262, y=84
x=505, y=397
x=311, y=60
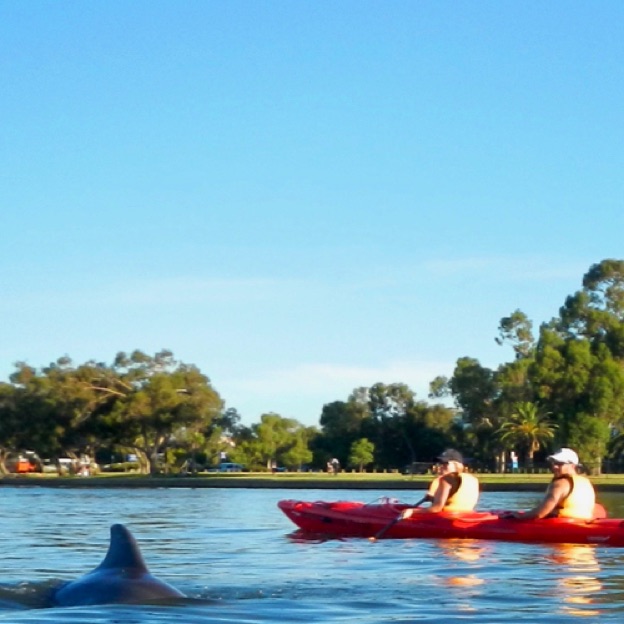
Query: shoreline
x=269, y=482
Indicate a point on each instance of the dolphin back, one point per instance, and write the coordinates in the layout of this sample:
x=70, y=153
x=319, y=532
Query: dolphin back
x=123, y=551
x=121, y=578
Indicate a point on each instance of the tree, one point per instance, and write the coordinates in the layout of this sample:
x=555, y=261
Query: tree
x=141, y=402
x=440, y=387
x=579, y=362
x=53, y=404
x=513, y=384
x=475, y=390
x=401, y=429
x=298, y=453
x=527, y=429
x=597, y=311
x=161, y=403
x=362, y=453
x=589, y=435
x=274, y=440
x=432, y=429
x=9, y=424
x=388, y=406
x=342, y=422
x=517, y=329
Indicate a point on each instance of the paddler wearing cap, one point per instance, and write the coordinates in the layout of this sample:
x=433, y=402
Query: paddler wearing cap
x=569, y=494
x=453, y=489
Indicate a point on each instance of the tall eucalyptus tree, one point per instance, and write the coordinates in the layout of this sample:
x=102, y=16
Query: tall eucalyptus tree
x=579, y=365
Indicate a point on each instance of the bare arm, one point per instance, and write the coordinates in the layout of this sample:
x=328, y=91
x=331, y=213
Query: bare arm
x=555, y=494
x=438, y=492
x=441, y=496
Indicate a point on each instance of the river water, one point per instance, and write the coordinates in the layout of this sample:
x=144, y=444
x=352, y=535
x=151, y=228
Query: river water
x=233, y=553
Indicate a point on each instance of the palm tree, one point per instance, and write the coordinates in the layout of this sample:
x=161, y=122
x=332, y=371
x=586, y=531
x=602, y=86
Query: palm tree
x=527, y=428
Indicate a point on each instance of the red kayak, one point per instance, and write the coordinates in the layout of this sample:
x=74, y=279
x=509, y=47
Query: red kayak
x=353, y=519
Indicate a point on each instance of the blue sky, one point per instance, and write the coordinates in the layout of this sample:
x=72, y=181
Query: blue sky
x=302, y=198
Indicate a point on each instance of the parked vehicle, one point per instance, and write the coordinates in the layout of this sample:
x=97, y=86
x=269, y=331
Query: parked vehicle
x=418, y=468
x=230, y=467
x=23, y=466
x=48, y=466
x=23, y=462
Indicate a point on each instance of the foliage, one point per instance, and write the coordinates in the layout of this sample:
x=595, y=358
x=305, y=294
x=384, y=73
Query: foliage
x=475, y=391
x=361, y=454
x=589, y=435
x=401, y=429
x=517, y=329
x=342, y=422
x=141, y=402
x=579, y=363
x=275, y=441
x=527, y=429
x=167, y=412
x=575, y=371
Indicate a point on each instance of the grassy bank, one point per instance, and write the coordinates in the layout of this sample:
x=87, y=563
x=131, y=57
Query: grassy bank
x=295, y=480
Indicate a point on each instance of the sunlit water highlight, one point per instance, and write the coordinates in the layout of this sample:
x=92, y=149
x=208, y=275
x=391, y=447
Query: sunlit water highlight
x=236, y=556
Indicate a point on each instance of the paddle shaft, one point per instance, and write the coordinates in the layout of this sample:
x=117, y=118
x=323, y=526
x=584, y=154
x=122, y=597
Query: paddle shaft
x=392, y=522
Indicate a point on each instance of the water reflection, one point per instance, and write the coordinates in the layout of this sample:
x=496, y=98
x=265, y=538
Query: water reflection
x=304, y=537
x=579, y=583
x=463, y=551
x=464, y=557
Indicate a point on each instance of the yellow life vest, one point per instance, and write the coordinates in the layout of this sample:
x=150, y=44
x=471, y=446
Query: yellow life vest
x=466, y=496
x=579, y=503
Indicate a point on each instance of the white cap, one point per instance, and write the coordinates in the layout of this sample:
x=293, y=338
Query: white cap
x=565, y=456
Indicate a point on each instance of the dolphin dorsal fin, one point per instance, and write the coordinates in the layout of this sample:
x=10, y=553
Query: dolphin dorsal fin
x=123, y=551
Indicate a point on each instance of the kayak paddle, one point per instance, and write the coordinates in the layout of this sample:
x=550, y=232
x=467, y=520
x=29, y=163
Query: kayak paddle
x=392, y=522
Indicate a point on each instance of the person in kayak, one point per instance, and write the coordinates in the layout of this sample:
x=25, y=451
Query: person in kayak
x=569, y=494
x=453, y=489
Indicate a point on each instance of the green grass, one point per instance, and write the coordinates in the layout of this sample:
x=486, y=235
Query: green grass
x=318, y=479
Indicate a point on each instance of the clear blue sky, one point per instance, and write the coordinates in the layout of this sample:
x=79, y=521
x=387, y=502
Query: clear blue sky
x=302, y=198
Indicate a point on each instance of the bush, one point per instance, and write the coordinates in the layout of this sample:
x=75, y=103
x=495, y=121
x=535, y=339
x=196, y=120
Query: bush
x=121, y=467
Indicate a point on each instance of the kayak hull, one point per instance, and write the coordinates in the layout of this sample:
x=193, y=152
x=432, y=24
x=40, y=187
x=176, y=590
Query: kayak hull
x=355, y=519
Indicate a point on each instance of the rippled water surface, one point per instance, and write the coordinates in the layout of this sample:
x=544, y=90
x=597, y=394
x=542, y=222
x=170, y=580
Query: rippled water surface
x=234, y=554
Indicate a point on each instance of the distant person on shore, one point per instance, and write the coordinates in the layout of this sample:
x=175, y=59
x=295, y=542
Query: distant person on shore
x=335, y=466
x=513, y=456
x=569, y=494
x=453, y=489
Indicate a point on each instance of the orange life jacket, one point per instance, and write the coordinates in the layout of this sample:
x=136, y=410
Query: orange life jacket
x=579, y=503
x=465, y=496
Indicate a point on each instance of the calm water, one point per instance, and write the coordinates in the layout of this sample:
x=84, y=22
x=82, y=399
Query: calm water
x=232, y=552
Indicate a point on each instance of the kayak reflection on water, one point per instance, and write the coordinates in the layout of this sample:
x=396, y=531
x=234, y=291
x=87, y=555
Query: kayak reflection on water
x=578, y=584
x=301, y=537
x=465, y=551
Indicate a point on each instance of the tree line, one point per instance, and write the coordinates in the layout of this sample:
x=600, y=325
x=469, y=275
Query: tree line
x=563, y=387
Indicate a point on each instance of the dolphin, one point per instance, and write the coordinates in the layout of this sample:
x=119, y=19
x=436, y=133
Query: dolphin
x=121, y=578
